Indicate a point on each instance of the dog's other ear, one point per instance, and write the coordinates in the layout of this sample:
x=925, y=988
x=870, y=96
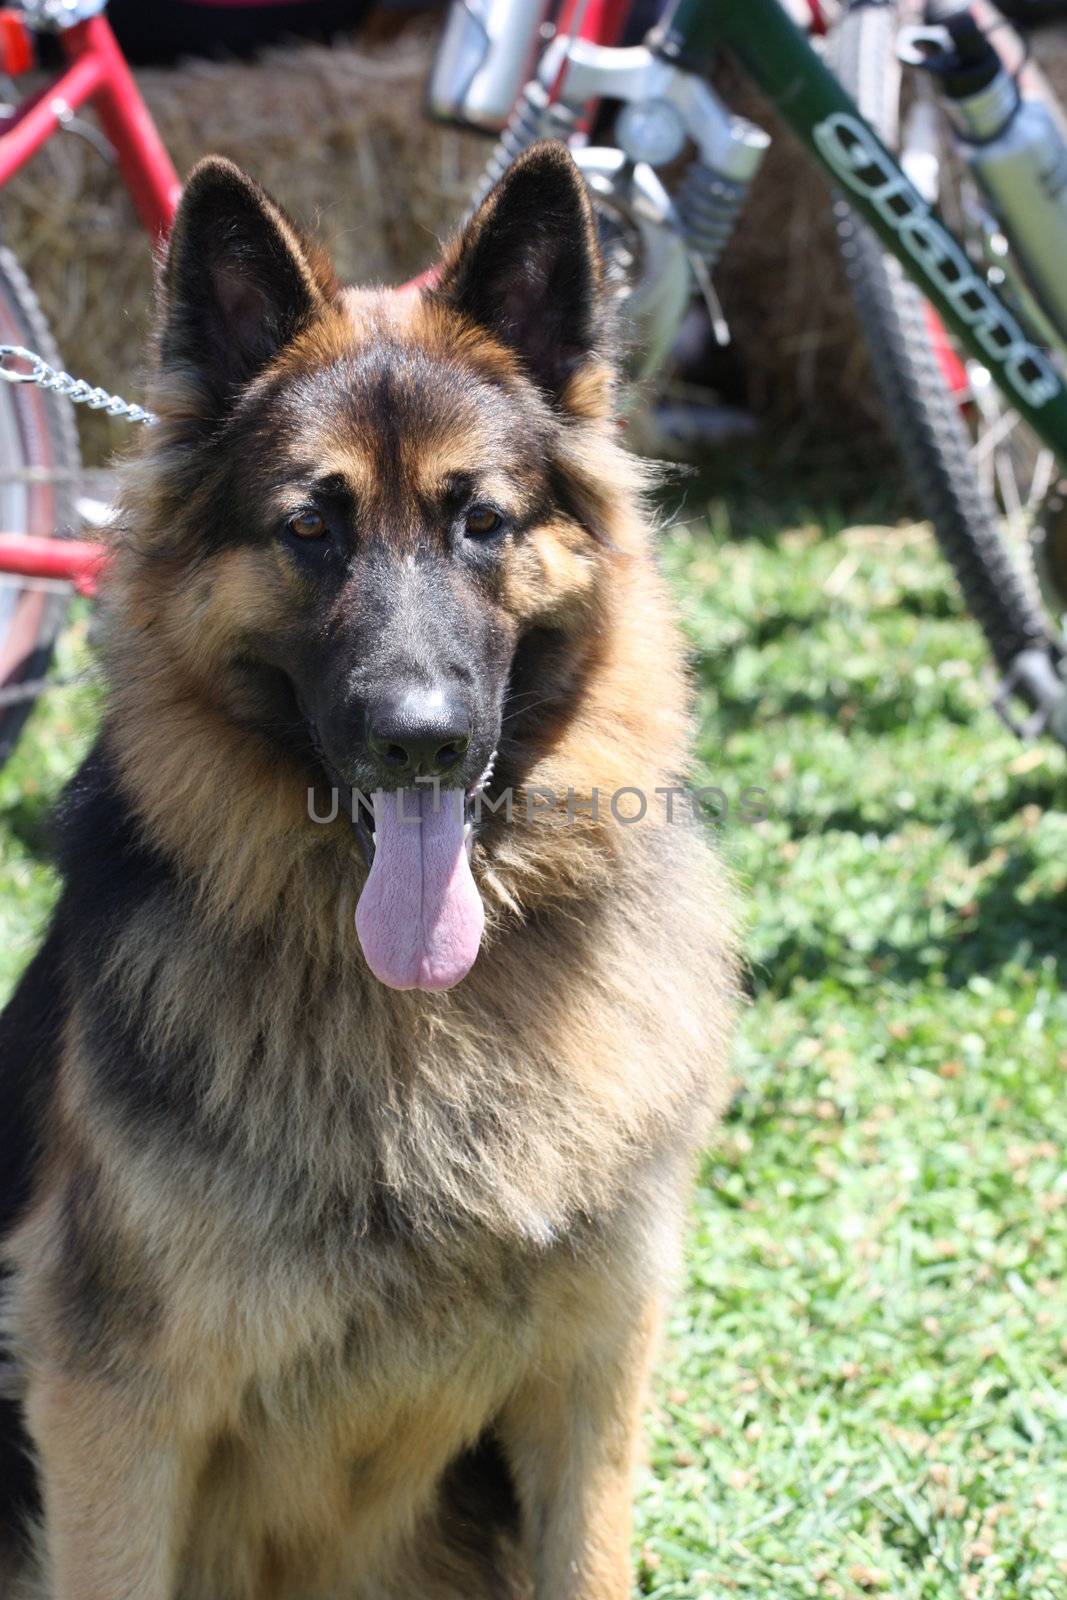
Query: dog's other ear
x=528, y=269
x=237, y=284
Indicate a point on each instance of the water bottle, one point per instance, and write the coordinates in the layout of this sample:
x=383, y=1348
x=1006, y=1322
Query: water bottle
x=1014, y=144
x=487, y=52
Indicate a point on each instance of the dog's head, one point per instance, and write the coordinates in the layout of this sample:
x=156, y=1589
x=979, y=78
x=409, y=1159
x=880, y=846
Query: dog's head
x=383, y=515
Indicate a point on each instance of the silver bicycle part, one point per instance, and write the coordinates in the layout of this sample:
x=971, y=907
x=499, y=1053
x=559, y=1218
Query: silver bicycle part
x=1032, y=680
x=54, y=16
x=39, y=473
x=14, y=498
x=485, y=55
x=651, y=130
x=1006, y=274
x=76, y=390
x=1016, y=148
x=708, y=206
x=534, y=117
x=1048, y=545
x=69, y=122
x=664, y=247
x=663, y=107
x=729, y=145
x=638, y=218
x=1016, y=471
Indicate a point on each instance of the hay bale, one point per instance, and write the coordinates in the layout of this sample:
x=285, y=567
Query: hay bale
x=788, y=304
x=337, y=135
x=340, y=137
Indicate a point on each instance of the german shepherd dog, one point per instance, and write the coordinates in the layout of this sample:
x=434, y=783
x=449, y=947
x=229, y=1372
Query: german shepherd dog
x=345, y=1147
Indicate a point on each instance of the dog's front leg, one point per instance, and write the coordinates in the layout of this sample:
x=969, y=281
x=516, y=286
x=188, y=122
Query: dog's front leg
x=571, y=1434
x=113, y=1487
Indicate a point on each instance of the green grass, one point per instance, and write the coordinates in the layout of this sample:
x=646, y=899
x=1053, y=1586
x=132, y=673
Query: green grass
x=863, y=1391
x=56, y=737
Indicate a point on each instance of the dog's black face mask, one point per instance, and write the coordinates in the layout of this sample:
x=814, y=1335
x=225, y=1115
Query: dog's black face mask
x=385, y=512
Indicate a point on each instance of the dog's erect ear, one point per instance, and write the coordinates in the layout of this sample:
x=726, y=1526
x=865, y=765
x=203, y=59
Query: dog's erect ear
x=237, y=284
x=528, y=268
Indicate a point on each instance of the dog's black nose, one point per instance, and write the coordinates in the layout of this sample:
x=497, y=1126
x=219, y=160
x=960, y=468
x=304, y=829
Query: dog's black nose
x=421, y=734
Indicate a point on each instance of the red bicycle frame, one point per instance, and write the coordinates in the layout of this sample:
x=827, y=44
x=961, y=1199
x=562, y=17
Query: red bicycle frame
x=96, y=74
x=76, y=561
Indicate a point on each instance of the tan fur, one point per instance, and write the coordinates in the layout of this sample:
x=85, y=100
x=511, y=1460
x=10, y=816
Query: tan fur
x=262, y=1432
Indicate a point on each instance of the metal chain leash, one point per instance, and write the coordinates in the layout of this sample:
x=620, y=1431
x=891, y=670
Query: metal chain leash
x=79, y=393
x=76, y=390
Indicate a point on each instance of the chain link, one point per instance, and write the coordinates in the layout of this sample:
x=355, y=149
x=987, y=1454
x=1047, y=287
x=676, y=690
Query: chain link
x=79, y=393
x=76, y=390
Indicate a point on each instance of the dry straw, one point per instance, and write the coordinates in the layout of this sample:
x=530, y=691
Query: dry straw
x=340, y=136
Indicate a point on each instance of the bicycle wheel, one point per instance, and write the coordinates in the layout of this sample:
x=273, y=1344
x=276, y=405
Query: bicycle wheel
x=39, y=470
x=980, y=475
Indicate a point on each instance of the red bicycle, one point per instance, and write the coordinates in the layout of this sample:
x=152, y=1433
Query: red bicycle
x=975, y=386
x=39, y=460
x=41, y=557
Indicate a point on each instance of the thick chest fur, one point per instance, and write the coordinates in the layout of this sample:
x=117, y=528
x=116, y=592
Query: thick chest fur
x=266, y=1151
x=267, y=1065
x=284, y=1243
x=322, y=1382
x=323, y=1230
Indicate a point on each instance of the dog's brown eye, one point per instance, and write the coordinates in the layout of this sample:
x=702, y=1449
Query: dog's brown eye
x=307, y=525
x=482, y=521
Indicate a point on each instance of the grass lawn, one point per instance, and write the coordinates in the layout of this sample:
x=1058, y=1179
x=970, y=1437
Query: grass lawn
x=863, y=1391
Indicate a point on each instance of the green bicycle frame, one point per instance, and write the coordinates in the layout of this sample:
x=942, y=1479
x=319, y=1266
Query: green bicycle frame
x=765, y=41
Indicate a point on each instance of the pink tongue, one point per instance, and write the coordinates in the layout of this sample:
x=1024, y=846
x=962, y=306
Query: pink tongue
x=420, y=916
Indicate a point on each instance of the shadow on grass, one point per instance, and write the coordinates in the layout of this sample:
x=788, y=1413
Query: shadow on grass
x=1001, y=928
x=753, y=493
x=889, y=713
x=28, y=820
x=969, y=825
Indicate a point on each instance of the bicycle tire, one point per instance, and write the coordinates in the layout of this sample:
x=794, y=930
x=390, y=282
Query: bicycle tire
x=38, y=445
x=925, y=416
